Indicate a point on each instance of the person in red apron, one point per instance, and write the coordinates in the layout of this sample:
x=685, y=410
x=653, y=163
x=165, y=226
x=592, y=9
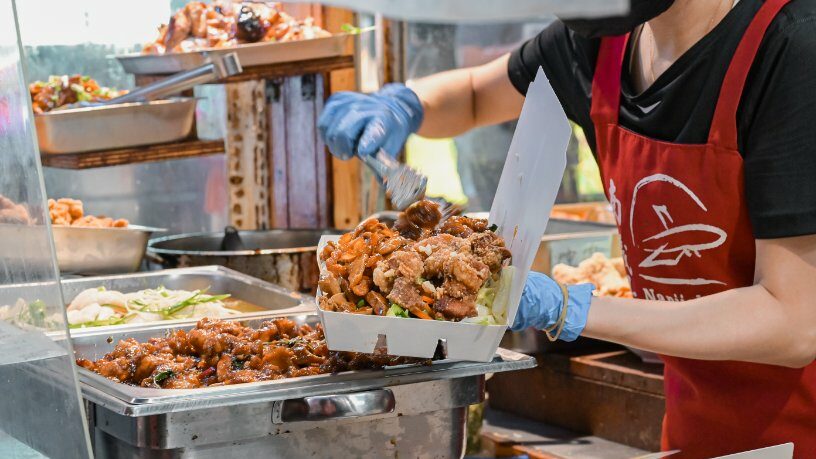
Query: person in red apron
x=708, y=161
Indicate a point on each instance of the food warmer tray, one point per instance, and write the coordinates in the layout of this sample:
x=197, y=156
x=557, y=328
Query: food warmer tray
x=405, y=411
x=108, y=127
x=253, y=54
x=276, y=300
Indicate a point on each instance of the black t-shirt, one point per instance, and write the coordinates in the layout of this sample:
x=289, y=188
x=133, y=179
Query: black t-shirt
x=776, y=117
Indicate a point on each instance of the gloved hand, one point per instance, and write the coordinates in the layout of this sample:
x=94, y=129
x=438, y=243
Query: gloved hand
x=354, y=123
x=541, y=305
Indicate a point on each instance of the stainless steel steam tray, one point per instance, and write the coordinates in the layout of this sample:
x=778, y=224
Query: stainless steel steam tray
x=273, y=299
x=138, y=401
x=253, y=54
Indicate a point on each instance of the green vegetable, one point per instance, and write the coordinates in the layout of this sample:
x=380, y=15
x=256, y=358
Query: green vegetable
x=397, y=311
x=36, y=311
x=198, y=297
x=162, y=375
x=350, y=29
x=237, y=364
x=360, y=304
x=493, y=227
x=103, y=323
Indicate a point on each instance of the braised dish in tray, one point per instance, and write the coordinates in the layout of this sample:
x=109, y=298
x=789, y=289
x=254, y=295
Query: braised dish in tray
x=217, y=353
x=419, y=268
x=63, y=91
x=224, y=24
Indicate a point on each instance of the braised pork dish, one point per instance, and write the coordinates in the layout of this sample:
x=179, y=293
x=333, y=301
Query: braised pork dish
x=224, y=24
x=217, y=353
x=63, y=91
x=419, y=268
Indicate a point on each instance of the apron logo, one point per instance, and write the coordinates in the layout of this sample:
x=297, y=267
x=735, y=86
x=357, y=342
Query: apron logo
x=675, y=242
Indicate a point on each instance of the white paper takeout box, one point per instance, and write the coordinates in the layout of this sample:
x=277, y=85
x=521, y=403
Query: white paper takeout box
x=526, y=193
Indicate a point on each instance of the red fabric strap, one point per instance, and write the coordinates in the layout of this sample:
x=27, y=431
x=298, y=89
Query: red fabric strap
x=606, y=84
x=724, y=124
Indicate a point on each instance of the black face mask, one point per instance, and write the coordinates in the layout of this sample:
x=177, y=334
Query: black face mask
x=640, y=11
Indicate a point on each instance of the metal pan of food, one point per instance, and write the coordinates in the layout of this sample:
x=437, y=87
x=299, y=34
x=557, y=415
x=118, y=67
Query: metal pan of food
x=77, y=130
x=208, y=290
x=284, y=257
x=84, y=250
x=252, y=54
x=407, y=410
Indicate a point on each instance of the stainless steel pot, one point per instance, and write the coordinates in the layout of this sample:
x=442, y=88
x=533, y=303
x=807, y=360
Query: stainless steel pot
x=284, y=257
x=100, y=250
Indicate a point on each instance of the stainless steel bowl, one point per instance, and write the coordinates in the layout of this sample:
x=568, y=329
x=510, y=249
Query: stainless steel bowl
x=101, y=250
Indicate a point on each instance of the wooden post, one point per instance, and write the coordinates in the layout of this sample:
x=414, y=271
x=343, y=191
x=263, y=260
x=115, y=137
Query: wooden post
x=246, y=148
x=346, y=176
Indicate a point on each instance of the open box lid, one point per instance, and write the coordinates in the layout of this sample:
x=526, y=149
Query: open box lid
x=526, y=193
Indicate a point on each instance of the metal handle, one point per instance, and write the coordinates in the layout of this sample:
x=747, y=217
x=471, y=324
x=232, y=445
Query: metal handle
x=381, y=164
x=339, y=406
x=220, y=67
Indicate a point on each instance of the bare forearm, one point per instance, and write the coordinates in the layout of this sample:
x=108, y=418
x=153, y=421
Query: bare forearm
x=460, y=100
x=747, y=324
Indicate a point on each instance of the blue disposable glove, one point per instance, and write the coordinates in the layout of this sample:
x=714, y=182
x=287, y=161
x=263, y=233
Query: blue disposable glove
x=541, y=305
x=354, y=123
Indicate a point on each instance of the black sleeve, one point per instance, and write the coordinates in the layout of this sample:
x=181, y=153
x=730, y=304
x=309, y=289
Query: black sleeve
x=778, y=136
x=568, y=61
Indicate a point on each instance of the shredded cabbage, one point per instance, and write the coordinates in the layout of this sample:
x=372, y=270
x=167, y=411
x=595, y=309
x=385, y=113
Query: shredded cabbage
x=491, y=301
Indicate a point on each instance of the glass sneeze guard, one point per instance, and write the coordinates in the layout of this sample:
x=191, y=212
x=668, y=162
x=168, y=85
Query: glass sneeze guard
x=41, y=412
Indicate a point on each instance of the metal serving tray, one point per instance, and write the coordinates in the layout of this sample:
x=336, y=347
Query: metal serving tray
x=140, y=401
x=276, y=300
x=249, y=55
x=101, y=250
x=107, y=127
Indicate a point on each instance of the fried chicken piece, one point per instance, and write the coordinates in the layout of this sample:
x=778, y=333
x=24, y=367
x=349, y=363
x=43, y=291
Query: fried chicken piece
x=407, y=264
x=406, y=294
x=456, y=308
x=467, y=270
x=384, y=276
x=489, y=248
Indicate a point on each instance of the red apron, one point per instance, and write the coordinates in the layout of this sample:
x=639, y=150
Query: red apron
x=685, y=232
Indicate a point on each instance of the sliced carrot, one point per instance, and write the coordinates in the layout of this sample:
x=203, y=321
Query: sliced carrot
x=427, y=299
x=419, y=313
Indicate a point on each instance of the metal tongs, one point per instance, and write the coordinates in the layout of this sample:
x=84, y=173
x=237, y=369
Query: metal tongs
x=218, y=68
x=403, y=185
